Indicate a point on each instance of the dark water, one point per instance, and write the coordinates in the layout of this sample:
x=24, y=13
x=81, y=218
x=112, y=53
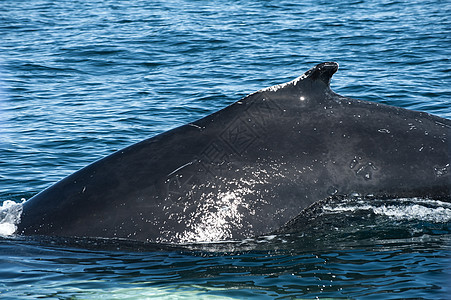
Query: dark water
x=81, y=79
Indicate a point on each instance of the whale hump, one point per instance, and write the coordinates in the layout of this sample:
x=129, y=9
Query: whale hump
x=250, y=168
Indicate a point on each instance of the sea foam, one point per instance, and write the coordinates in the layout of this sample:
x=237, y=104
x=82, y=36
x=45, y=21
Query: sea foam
x=407, y=209
x=10, y=213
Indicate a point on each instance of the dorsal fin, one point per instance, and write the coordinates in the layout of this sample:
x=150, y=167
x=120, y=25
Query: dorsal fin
x=322, y=72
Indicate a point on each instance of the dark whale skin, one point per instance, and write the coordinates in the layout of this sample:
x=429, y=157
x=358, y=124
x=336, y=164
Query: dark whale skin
x=250, y=168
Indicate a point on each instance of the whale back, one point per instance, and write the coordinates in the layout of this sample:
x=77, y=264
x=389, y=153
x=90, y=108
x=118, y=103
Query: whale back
x=250, y=168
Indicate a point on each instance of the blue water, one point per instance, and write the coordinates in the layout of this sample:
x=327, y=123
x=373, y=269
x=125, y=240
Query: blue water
x=81, y=79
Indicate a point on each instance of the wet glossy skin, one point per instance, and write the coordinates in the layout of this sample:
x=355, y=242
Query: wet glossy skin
x=250, y=168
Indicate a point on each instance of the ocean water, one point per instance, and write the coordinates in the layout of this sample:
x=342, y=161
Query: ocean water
x=82, y=79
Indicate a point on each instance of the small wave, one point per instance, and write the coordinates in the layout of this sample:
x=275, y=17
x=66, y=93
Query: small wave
x=407, y=209
x=10, y=213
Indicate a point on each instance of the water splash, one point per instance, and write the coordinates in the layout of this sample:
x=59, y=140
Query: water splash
x=402, y=209
x=10, y=213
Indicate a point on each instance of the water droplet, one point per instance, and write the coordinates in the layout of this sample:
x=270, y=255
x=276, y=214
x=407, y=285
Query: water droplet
x=366, y=171
x=354, y=162
x=384, y=130
x=332, y=191
x=411, y=126
x=441, y=171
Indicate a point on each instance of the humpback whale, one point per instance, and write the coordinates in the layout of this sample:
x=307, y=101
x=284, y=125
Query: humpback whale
x=250, y=168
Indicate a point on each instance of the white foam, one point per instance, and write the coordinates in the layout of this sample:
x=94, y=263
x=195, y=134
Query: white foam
x=277, y=87
x=10, y=213
x=408, y=209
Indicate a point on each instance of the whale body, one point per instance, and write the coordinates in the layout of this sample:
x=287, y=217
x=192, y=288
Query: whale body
x=250, y=168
